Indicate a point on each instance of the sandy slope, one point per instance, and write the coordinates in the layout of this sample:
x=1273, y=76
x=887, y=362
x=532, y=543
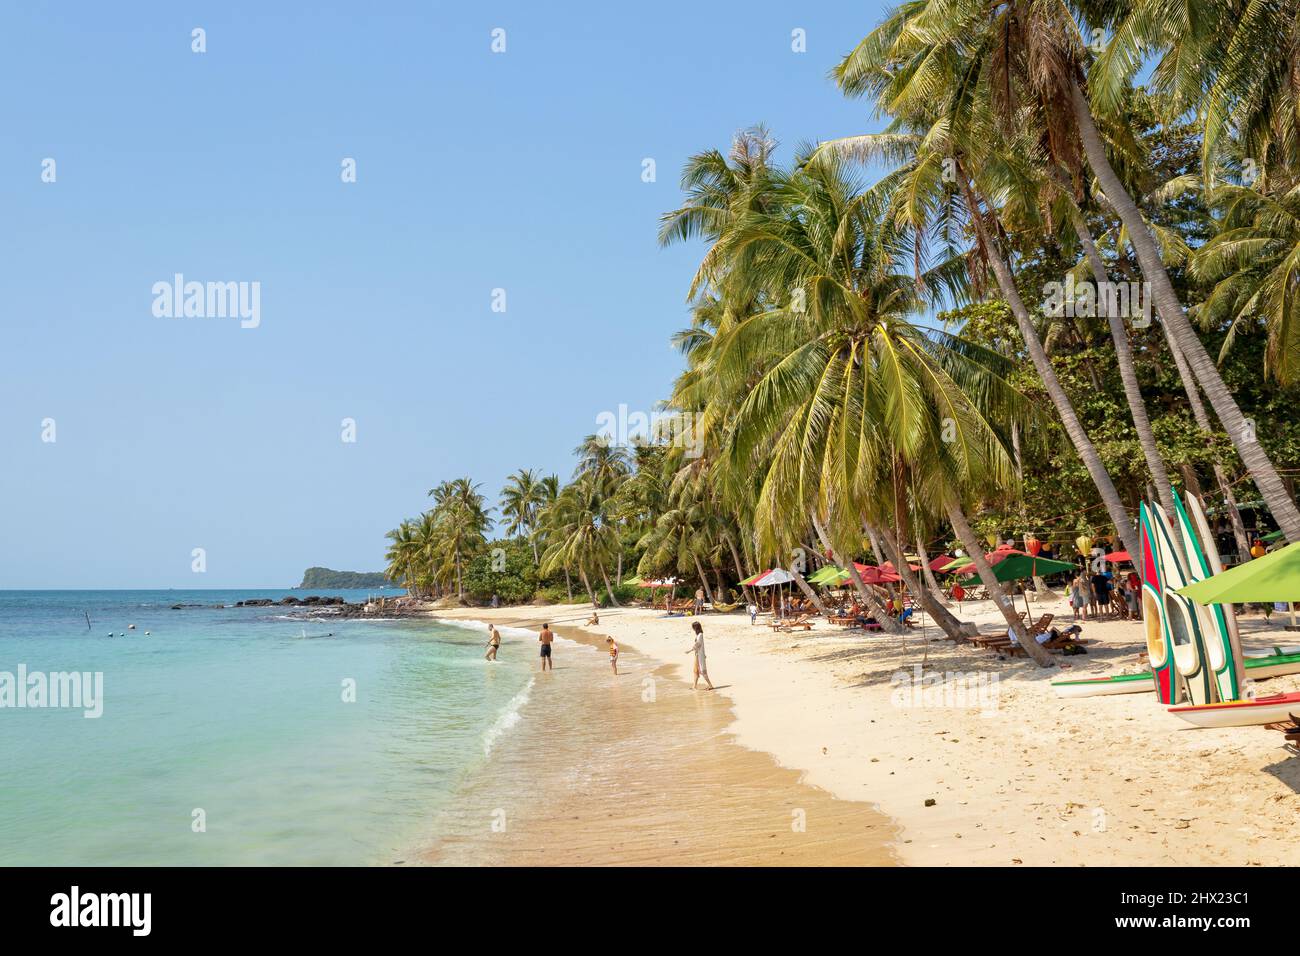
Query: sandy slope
x=1017, y=775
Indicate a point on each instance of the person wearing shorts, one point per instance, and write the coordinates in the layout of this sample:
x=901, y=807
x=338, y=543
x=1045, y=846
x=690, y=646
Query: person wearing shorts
x=546, y=638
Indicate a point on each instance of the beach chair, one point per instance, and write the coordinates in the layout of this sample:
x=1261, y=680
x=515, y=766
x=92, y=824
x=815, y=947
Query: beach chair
x=1041, y=625
x=802, y=622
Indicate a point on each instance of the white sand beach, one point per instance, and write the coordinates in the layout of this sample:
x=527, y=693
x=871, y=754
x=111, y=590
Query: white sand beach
x=1018, y=776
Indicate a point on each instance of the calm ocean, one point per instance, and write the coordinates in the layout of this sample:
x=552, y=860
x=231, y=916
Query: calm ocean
x=231, y=716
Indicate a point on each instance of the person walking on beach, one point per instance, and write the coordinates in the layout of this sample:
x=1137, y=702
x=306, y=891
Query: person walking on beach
x=699, y=601
x=701, y=667
x=494, y=642
x=545, y=639
x=613, y=654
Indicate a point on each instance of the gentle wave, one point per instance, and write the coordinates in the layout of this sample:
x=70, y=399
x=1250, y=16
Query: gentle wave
x=473, y=624
x=509, y=717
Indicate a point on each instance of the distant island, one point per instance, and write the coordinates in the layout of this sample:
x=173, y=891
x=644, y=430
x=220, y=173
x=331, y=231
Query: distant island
x=318, y=578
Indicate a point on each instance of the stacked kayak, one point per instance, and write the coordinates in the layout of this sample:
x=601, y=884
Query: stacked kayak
x=1259, y=666
x=1241, y=713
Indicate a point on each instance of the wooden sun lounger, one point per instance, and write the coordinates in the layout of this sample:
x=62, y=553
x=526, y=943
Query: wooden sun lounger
x=803, y=622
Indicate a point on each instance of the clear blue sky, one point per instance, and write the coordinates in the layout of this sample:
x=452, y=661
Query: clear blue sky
x=475, y=170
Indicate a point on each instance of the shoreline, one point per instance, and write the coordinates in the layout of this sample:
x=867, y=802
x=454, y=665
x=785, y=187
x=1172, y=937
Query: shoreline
x=636, y=769
x=1031, y=779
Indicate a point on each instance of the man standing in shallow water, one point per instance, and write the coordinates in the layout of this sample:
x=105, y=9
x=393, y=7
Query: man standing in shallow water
x=546, y=637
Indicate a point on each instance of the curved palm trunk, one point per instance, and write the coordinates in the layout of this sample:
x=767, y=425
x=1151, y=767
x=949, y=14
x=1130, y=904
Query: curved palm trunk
x=972, y=544
x=740, y=569
x=1252, y=453
x=942, y=616
x=877, y=609
x=927, y=572
x=1207, y=427
x=609, y=590
x=704, y=578
x=1073, y=427
x=587, y=584
x=1128, y=375
x=808, y=592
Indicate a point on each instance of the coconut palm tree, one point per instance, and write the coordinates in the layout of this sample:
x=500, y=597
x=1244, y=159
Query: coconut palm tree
x=460, y=522
x=989, y=59
x=582, y=534
x=851, y=388
x=521, y=499
x=403, y=555
x=1254, y=262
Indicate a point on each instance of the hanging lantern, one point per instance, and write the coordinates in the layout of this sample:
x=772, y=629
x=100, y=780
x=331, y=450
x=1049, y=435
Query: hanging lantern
x=1033, y=545
x=1083, y=543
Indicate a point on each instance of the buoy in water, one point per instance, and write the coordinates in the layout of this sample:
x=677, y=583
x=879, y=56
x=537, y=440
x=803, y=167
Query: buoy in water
x=130, y=627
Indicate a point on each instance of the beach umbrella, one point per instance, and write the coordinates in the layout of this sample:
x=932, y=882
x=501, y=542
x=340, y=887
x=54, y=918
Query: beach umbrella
x=871, y=574
x=1012, y=565
x=774, y=576
x=1274, y=577
x=938, y=564
x=1116, y=557
x=889, y=565
x=827, y=575
x=753, y=579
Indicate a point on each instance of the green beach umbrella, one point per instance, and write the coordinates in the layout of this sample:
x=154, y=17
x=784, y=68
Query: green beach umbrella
x=1011, y=565
x=1274, y=577
x=828, y=574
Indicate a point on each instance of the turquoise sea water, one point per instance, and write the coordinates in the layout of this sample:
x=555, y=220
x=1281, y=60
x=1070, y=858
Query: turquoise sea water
x=233, y=712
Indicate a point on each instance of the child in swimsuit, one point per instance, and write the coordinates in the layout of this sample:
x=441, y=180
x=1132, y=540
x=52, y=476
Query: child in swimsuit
x=613, y=654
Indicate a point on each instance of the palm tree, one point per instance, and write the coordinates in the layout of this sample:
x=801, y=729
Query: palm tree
x=850, y=389
x=521, y=499
x=582, y=534
x=987, y=59
x=927, y=204
x=1254, y=262
x=403, y=555
x=460, y=523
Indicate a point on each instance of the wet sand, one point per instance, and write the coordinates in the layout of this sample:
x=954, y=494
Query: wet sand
x=639, y=769
x=1030, y=779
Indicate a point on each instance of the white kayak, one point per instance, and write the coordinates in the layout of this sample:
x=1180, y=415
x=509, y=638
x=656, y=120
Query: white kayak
x=1104, y=686
x=1260, y=665
x=1241, y=713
